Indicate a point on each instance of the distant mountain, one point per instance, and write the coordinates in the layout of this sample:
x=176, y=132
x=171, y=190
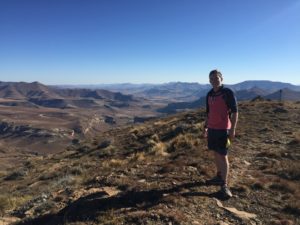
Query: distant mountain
x=284, y=94
x=22, y=90
x=250, y=93
x=270, y=86
x=38, y=94
x=178, y=95
x=118, y=86
x=184, y=92
x=173, y=91
x=37, y=90
x=96, y=94
x=177, y=91
x=181, y=93
x=181, y=106
x=241, y=95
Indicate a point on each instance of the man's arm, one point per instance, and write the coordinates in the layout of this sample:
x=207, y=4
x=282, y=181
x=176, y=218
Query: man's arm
x=206, y=118
x=234, y=120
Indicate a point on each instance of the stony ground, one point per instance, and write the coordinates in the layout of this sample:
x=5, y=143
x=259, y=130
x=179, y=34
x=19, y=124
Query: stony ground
x=155, y=173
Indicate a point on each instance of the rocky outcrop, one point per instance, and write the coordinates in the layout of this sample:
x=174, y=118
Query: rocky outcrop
x=11, y=129
x=109, y=120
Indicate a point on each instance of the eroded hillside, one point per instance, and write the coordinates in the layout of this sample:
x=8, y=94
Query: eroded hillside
x=155, y=173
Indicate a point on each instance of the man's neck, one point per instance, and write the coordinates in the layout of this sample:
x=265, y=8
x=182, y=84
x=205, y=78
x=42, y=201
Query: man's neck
x=216, y=89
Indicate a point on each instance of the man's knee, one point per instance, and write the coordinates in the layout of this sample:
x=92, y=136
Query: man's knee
x=221, y=156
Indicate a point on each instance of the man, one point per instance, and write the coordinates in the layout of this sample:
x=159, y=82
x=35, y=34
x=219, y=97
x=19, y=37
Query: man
x=219, y=127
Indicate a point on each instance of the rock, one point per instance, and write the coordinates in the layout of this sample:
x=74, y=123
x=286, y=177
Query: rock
x=192, y=169
x=237, y=213
x=222, y=223
x=109, y=191
x=247, y=163
x=8, y=220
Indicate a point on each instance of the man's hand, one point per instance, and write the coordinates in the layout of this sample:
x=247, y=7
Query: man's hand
x=204, y=134
x=231, y=134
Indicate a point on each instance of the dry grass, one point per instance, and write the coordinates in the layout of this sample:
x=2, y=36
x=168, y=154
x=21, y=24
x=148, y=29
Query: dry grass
x=199, y=126
x=110, y=218
x=185, y=141
x=157, y=147
x=83, y=178
x=9, y=202
x=138, y=157
x=63, y=182
x=114, y=163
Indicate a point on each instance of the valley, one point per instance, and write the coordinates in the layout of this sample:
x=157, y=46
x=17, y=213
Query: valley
x=155, y=172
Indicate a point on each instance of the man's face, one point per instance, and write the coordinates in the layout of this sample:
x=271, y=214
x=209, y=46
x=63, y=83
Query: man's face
x=215, y=80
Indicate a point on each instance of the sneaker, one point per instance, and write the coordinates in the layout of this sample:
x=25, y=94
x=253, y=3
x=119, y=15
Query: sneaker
x=226, y=191
x=217, y=180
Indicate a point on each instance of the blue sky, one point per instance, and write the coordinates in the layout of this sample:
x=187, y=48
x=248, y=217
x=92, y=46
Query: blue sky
x=149, y=41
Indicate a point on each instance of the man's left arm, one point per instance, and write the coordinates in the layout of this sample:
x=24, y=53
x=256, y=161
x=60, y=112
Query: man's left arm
x=234, y=120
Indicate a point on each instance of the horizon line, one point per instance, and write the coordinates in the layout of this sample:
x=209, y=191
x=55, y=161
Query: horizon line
x=135, y=83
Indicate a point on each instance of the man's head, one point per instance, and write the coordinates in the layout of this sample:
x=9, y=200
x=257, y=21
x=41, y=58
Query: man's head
x=215, y=72
x=215, y=78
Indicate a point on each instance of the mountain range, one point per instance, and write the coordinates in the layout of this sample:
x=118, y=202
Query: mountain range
x=168, y=92
x=174, y=95
x=188, y=92
x=23, y=90
x=241, y=95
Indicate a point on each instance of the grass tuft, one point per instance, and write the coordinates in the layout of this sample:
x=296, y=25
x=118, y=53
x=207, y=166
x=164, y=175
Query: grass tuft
x=8, y=202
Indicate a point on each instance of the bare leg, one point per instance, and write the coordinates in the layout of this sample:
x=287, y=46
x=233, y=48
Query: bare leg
x=217, y=162
x=222, y=164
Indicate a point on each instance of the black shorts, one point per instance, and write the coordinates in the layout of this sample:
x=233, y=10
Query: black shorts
x=217, y=140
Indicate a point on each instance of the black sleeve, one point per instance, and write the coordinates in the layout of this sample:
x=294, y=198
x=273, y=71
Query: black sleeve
x=207, y=106
x=232, y=102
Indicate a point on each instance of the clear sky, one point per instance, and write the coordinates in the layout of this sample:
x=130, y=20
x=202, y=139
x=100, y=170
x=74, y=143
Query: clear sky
x=149, y=41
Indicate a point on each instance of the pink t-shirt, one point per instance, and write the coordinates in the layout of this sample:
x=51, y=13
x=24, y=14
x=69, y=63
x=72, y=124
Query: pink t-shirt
x=218, y=109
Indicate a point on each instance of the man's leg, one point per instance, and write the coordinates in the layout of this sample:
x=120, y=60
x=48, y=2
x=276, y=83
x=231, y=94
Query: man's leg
x=222, y=166
x=218, y=163
x=218, y=179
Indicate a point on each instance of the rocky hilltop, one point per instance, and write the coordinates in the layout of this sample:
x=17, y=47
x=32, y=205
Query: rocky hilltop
x=154, y=173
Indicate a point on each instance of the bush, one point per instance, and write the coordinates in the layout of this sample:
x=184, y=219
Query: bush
x=15, y=175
